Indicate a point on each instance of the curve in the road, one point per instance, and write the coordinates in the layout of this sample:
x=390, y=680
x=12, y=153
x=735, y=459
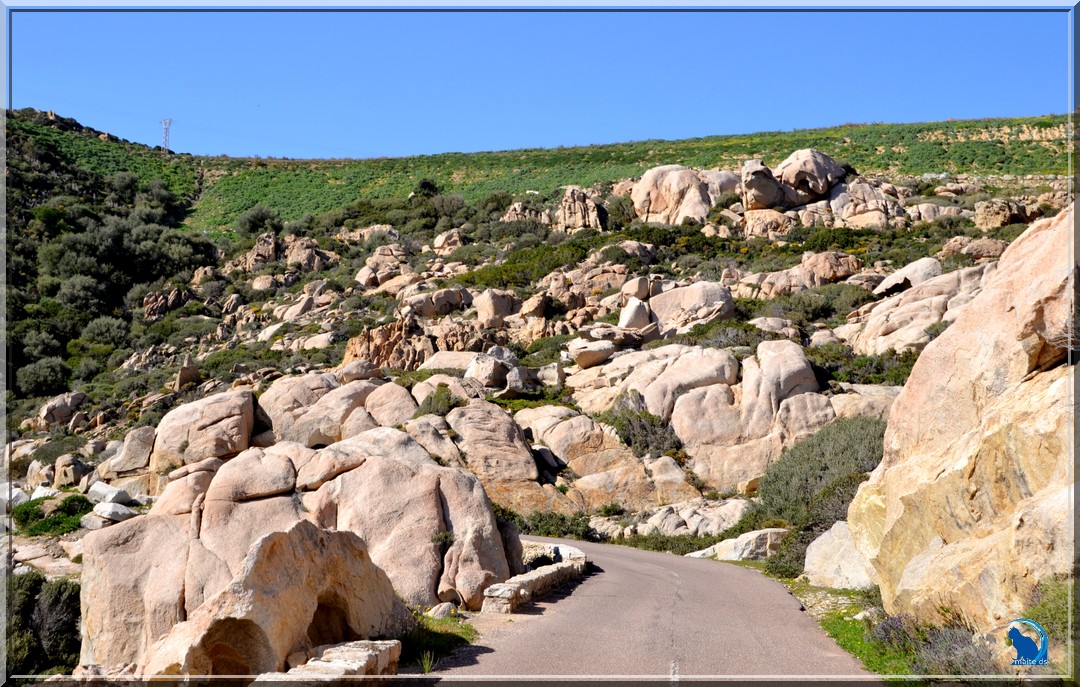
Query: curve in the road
x=658, y=615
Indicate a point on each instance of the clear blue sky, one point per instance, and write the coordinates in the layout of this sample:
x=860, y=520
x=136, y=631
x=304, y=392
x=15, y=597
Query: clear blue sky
x=387, y=84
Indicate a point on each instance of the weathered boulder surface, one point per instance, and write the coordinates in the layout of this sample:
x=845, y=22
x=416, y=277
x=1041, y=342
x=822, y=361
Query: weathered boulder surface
x=762, y=191
x=698, y=517
x=816, y=269
x=671, y=193
x=991, y=214
x=701, y=302
x=909, y=275
x=577, y=211
x=928, y=212
x=143, y=576
x=833, y=561
x=767, y=223
x=385, y=487
x=296, y=589
x=608, y=471
x=315, y=409
x=864, y=204
x=752, y=546
x=899, y=323
x=811, y=173
x=968, y=509
x=217, y=426
x=733, y=431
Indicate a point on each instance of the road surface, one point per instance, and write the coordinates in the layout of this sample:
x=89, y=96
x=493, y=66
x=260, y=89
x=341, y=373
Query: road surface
x=655, y=614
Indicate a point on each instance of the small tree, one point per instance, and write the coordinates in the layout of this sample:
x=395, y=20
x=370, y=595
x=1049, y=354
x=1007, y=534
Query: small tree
x=46, y=376
x=426, y=188
x=258, y=220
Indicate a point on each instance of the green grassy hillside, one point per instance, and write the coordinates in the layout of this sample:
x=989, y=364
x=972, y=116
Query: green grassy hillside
x=225, y=187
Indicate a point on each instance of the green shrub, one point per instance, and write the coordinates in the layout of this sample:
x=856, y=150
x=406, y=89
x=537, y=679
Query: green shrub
x=952, y=651
x=410, y=379
x=838, y=362
x=58, y=444
x=808, y=467
x=680, y=545
x=1051, y=608
x=439, y=402
x=610, y=510
x=829, y=303
x=790, y=559
x=546, y=524
x=30, y=517
x=443, y=538
x=27, y=513
x=43, y=625
x=935, y=330
x=258, y=220
x=810, y=487
x=546, y=350
x=46, y=377
x=639, y=429
x=721, y=334
x=106, y=330
x=840, y=239
x=55, y=621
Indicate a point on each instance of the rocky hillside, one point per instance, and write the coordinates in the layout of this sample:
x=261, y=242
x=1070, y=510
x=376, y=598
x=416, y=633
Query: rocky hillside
x=388, y=391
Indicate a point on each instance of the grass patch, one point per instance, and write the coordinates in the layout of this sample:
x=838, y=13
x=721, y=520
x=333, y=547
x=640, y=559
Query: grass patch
x=875, y=656
x=433, y=639
x=31, y=519
x=548, y=396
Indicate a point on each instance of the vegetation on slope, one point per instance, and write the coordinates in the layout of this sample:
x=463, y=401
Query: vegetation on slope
x=301, y=188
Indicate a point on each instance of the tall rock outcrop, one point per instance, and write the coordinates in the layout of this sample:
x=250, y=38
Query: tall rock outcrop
x=671, y=193
x=969, y=508
x=578, y=211
x=202, y=554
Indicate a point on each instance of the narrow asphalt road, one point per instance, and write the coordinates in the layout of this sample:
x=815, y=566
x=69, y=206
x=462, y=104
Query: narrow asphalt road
x=654, y=614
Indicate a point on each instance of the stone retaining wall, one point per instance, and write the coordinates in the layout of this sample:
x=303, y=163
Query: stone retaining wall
x=506, y=597
x=341, y=660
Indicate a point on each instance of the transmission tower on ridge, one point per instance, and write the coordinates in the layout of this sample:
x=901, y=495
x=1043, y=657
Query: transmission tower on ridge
x=165, y=123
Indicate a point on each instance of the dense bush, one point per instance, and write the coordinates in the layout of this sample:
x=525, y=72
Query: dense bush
x=807, y=468
x=721, y=334
x=43, y=625
x=1050, y=608
x=680, y=545
x=547, y=524
x=546, y=350
x=810, y=487
x=639, y=429
x=107, y=330
x=439, y=402
x=31, y=519
x=260, y=219
x=830, y=303
x=838, y=362
x=953, y=651
x=46, y=377
x=934, y=650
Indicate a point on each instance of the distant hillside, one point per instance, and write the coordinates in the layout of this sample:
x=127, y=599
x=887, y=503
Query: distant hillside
x=222, y=188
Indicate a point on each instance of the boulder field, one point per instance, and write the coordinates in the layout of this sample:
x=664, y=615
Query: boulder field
x=280, y=512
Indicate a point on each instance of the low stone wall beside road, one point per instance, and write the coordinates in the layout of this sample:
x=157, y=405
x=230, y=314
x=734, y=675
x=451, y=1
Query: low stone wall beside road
x=341, y=660
x=505, y=597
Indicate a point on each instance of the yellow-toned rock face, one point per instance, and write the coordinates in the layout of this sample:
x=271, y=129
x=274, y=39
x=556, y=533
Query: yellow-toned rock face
x=970, y=506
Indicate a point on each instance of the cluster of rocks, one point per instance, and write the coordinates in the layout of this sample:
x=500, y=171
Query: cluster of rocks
x=299, y=252
x=985, y=452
